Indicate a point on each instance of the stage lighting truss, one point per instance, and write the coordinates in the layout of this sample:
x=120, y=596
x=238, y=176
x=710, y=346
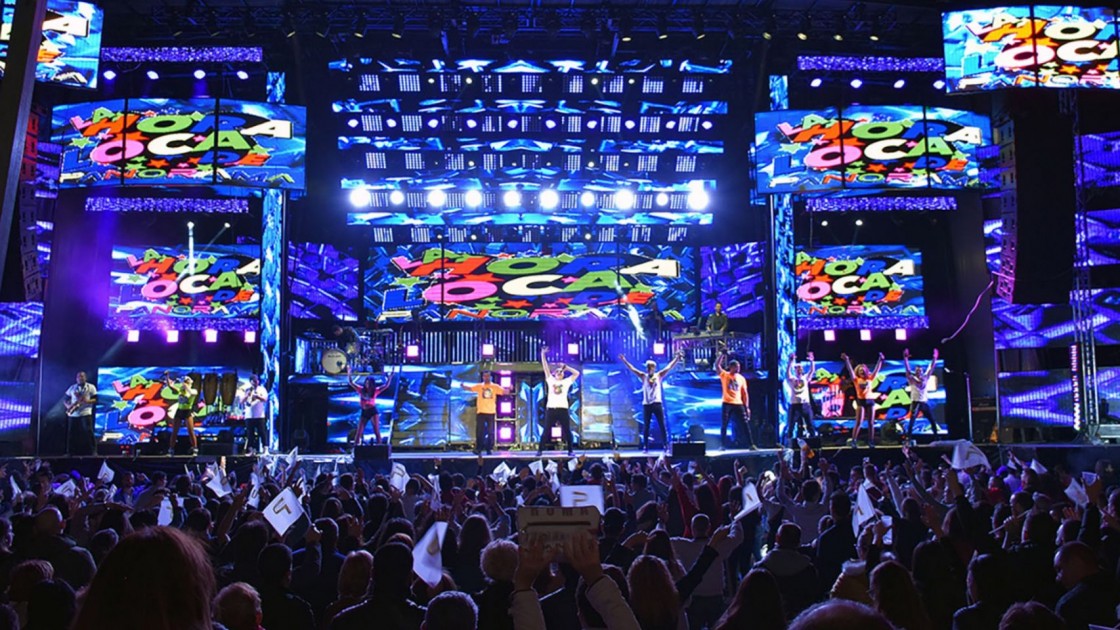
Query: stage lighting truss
x=692, y=197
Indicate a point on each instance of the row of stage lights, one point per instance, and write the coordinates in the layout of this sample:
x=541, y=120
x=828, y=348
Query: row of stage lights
x=153, y=74
x=857, y=83
x=488, y=352
x=547, y=199
x=209, y=335
x=865, y=335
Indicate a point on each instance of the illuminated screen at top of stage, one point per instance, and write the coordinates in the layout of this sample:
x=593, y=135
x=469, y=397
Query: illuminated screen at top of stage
x=520, y=281
x=162, y=288
x=71, y=43
x=168, y=142
x=865, y=286
x=529, y=141
x=869, y=147
x=1031, y=46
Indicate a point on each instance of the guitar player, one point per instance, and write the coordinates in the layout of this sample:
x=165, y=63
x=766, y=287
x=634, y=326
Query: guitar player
x=80, y=399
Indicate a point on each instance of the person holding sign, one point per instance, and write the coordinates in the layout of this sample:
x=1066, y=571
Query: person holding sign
x=652, y=405
x=736, y=401
x=368, y=392
x=864, y=382
x=919, y=394
x=486, y=411
x=557, y=407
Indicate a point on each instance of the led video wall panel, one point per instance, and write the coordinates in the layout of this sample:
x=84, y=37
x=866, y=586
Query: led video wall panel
x=163, y=287
x=733, y=276
x=323, y=282
x=529, y=141
x=157, y=141
x=70, y=50
x=868, y=148
x=834, y=396
x=1100, y=164
x=865, y=286
x=1031, y=46
x=134, y=404
x=520, y=281
x=21, y=325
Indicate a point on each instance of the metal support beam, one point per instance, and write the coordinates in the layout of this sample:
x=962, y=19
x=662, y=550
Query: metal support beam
x=15, y=107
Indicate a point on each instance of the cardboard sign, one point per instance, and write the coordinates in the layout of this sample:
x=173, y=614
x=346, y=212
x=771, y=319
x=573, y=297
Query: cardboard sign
x=284, y=510
x=751, y=501
x=583, y=496
x=557, y=525
x=427, y=559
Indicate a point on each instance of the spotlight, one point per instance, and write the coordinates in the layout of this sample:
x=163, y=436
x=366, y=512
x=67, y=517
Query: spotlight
x=360, y=197
x=816, y=82
x=352, y=123
x=109, y=75
x=398, y=26
x=474, y=237
x=573, y=349
x=698, y=199
x=587, y=236
x=133, y=336
x=200, y=74
x=511, y=199
x=900, y=334
x=939, y=84
x=210, y=335
x=659, y=348
x=864, y=335
x=587, y=199
x=225, y=226
x=505, y=380
x=473, y=198
x=550, y=124
x=549, y=199
x=512, y=124
x=630, y=124
x=412, y=352
x=899, y=84
x=624, y=199
x=859, y=222
x=190, y=225
x=591, y=124
x=802, y=35
x=838, y=37
x=556, y=430
x=662, y=27
x=824, y=223
x=856, y=83
x=153, y=75
x=830, y=335
x=250, y=336
x=662, y=199
x=471, y=123
x=706, y=125
x=433, y=123
x=391, y=123
x=436, y=198
x=173, y=336
x=396, y=197
x=505, y=432
x=487, y=351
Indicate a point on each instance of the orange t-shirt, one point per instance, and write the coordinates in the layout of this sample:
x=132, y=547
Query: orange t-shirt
x=863, y=388
x=487, y=397
x=734, y=387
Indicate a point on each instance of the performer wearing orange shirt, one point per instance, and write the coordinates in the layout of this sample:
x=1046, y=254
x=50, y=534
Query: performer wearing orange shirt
x=864, y=382
x=487, y=404
x=736, y=401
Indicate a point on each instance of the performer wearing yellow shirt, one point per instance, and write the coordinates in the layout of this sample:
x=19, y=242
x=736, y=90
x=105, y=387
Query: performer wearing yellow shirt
x=487, y=404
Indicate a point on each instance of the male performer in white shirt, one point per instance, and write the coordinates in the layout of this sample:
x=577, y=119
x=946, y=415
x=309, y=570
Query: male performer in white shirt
x=256, y=396
x=652, y=400
x=919, y=396
x=557, y=409
x=80, y=399
x=801, y=407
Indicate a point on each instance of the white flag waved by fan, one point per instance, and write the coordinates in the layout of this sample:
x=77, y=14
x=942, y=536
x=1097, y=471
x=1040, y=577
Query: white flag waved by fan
x=582, y=496
x=166, y=513
x=1037, y=466
x=427, y=560
x=967, y=455
x=106, y=474
x=284, y=510
x=398, y=477
x=1076, y=493
x=751, y=502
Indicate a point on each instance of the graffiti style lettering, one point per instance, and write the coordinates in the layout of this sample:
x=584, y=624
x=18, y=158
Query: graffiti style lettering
x=869, y=281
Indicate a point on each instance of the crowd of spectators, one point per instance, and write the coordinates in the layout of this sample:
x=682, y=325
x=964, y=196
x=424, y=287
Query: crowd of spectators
x=914, y=544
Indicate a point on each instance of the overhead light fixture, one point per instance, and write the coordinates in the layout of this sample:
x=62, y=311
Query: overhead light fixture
x=200, y=74
x=899, y=84
x=360, y=197
x=396, y=197
x=241, y=74
x=436, y=198
x=153, y=75
x=856, y=83
x=859, y=222
x=473, y=198
x=662, y=27
x=624, y=199
x=549, y=199
x=511, y=198
x=587, y=199
x=109, y=75
x=824, y=223
x=816, y=82
x=398, y=26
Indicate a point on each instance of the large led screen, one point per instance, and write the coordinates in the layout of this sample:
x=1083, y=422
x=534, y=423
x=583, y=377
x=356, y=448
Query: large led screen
x=868, y=148
x=864, y=286
x=157, y=141
x=70, y=48
x=1045, y=398
x=323, y=282
x=166, y=288
x=1025, y=46
x=733, y=276
x=833, y=394
x=520, y=281
x=134, y=404
x=519, y=141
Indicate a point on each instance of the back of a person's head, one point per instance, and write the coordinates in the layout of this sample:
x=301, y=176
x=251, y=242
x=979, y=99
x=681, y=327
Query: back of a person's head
x=238, y=607
x=329, y=529
x=930, y=567
x=198, y=521
x=452, y=610
x=1030, y=616
x=156, y=579
x=840, y=506
x=9, y=619
x=987, y=579
x=757, y=604
x=499, y=560
x=25, y=576
x=275, y=563
x=1040, y=529
x=75, y=566
x=392, y=568
x=102, y=543
x=894, y=594
x=912, y=510
x=589, y=616
x=51, y=607
x=701, y=525
x=247, y=542
x=614, y=522
x=355, y=575
x=811, y=491
x=789, y=536
x=653, y=595
x=659, y=544
x=397, y=526
x=474, y=534
x=841, y=614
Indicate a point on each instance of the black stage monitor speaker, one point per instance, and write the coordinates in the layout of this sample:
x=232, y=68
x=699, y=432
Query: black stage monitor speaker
x=217, y=448
x=690, y=450
x=373, y=452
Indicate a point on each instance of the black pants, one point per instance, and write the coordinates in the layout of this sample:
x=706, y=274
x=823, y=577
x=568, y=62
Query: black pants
x=923, y=407
x=254, y=434
x=801, y=416
x=742, y=422
x=484, y=432
x=79, y=435
x=649, y=412
x=552, y=417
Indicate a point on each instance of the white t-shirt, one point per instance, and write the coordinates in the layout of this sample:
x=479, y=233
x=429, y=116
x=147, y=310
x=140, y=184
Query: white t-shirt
x=651, y=389
x=799, y=386
x=558, y=391
x=256, y=407
x=81, y=392
x=918, y=386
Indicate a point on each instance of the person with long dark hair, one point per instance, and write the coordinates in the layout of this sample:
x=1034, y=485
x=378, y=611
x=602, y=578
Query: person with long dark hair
x=757, y=604
x=368, y=392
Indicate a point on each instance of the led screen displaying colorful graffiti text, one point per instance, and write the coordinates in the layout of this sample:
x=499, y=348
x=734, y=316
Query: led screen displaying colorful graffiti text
x=518, y=281
x=1025, y=46
x=866, y=286
x=868, y=147
x=167, y=142
x=71, y=42
x=165, y=288
x=834, y=397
